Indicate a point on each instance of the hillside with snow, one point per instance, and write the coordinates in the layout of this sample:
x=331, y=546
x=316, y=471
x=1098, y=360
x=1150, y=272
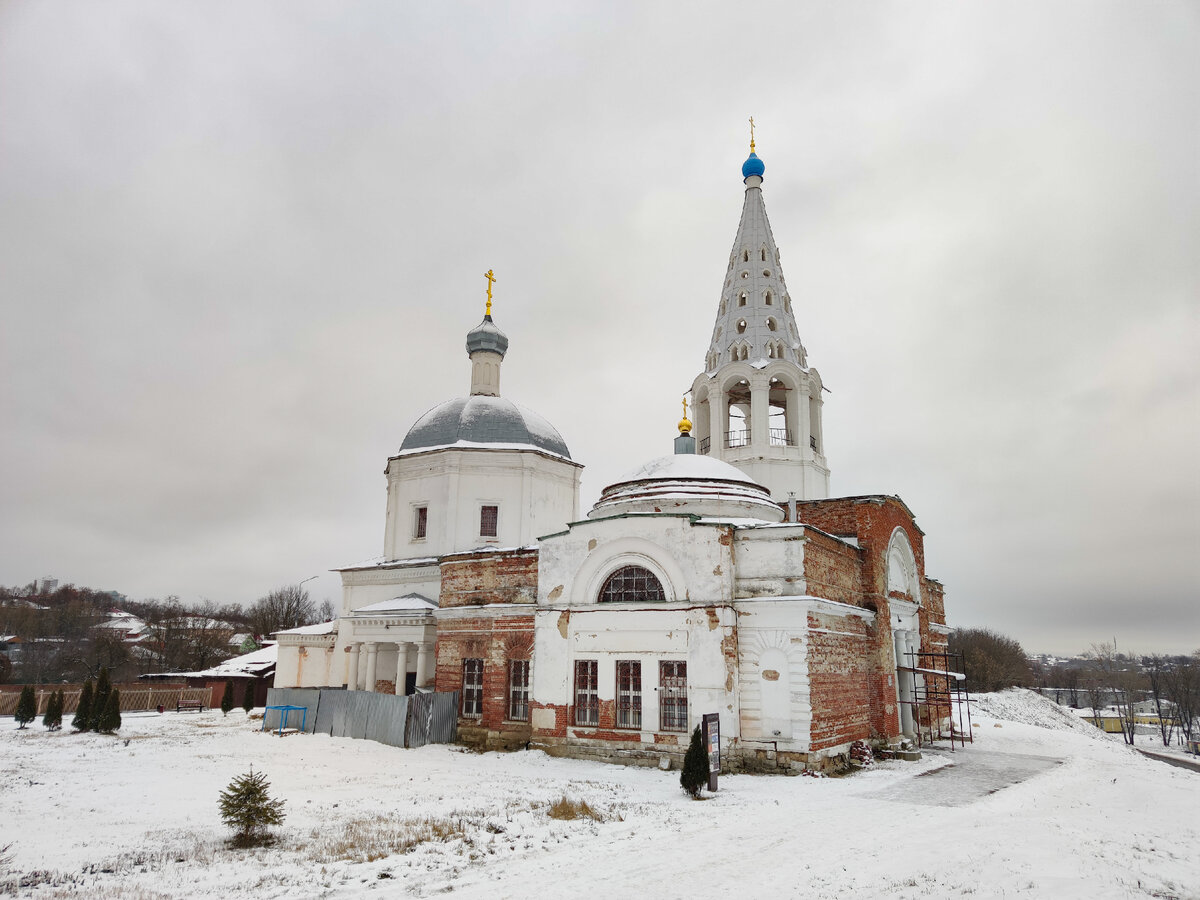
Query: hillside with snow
x=1038, y=806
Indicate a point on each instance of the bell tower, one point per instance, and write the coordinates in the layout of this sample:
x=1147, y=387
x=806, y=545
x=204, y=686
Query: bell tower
x=757, y=404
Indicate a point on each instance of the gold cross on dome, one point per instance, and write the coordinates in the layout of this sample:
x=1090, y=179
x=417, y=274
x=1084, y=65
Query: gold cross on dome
x=752, y=134
x=491, y=280
x=685, y=407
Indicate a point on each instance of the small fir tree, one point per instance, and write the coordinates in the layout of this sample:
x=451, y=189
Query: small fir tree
x=110, y=716
x=248, y=697
x=52, y=720
x=248, y=808
x=227, y=699
x=83, y=712
x=26, y=707
x=695, y=766
x=99, y=700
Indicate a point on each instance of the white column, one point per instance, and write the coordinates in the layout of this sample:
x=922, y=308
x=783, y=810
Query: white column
x=352, y=679
x=401, y=666
x=372, y=661
x=760, y=408
x=423, y=651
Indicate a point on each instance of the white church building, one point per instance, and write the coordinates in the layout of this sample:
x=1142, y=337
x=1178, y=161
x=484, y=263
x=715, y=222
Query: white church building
x=720, y=578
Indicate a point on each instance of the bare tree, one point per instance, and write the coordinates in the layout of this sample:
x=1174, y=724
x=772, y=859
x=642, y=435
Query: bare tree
x=1182, y=682
x=283, y=608
x=1156, y=668
x=992, y=661
x=1120, y=675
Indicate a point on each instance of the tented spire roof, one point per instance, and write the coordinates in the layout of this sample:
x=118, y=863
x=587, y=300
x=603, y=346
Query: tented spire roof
x=754, y=319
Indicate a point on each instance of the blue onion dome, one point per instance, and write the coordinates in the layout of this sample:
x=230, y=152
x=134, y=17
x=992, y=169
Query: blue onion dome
x=486, y=336
x=753, y=166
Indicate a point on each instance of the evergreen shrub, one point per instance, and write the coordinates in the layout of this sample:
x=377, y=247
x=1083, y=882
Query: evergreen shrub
x=26, y=707
x=110, y=716
x=83, y=712
x=227, y=699
x=248, y=808
x=248, y=697
x=695, y=766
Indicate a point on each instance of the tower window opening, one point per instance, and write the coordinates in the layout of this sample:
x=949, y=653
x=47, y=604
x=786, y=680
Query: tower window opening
x=769, y=298
x=722, y=307
x=772, y=324
x=745, y=274
x=742, y=299
x=766, y=273
x=764, y=254
x=421, y=523
x=741, y=326
x=717, y=336
x=745, y=256
x=489, y=517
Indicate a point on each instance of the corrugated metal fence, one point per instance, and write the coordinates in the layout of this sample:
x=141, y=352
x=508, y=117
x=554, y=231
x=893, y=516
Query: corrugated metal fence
x=411, y=721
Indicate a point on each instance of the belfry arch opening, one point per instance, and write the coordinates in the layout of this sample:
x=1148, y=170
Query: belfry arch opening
x=782, y=414
x=737, y=424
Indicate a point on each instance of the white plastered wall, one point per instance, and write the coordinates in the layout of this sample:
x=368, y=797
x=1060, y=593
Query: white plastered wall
x=536, y=494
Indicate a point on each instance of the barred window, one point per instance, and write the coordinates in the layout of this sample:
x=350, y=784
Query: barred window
x=629, y=694
x=472, y=696
x=672, y=696
x=488, y=518
x=632, y=583
x=587, y=699
x=518, y=690
x=421, y=525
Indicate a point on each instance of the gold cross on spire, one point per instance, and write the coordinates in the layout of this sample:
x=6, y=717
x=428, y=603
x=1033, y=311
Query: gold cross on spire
x=752, y=134
x=491, y=279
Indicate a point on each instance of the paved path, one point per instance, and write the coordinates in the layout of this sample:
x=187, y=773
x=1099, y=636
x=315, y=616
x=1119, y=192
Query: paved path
x=1169, y=759
x=970, y=775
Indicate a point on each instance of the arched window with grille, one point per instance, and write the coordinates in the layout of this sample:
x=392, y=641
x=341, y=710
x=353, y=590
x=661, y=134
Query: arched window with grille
x=632, y=584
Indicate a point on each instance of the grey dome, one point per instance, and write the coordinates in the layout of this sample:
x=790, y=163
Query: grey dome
x=481, y=420
x=486, y=336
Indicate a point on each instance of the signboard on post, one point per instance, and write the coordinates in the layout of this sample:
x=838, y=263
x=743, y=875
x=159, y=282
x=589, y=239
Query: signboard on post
x=712, y=743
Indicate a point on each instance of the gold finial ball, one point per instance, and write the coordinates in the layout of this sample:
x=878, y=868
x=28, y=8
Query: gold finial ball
x=685, y=425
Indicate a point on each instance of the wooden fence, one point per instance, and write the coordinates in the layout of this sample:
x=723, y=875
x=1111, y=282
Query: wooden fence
x=134, y=697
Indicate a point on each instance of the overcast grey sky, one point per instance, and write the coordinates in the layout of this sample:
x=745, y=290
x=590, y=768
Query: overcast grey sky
x=241, y=244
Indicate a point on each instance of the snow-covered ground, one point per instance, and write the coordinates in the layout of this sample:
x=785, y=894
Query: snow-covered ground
x=1036, y=807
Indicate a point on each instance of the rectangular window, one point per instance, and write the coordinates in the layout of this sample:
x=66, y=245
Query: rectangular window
x=421, y=523
x=518, y=690
x=472, y=697
x=629, y=694
x=587, y=698
x=489, y=516
x=672, y=696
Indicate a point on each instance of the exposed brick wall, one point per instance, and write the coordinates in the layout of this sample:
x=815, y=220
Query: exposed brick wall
x=495, y=640
x=832, y=569
x=484, y=578
x=840, y=664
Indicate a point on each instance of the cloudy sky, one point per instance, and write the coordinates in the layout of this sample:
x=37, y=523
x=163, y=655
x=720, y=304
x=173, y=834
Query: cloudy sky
x=241, y=244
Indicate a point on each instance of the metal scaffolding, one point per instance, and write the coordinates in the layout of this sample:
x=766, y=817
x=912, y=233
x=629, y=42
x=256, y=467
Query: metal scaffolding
x=940, y=703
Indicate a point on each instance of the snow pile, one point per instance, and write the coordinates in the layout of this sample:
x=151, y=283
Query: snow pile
x=1029, y=708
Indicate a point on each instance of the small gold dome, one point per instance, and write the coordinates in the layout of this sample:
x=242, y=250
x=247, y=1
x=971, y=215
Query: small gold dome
x=685, y=424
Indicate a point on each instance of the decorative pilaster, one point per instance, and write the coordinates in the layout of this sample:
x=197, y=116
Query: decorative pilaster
x=424, y=651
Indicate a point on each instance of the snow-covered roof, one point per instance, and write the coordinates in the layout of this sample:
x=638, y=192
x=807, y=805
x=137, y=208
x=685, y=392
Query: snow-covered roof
x=257, y=662
x=482, y=421
x=379, y=562
x=405, y=604
x=686, y=465
x=685, y=483
x=329, y=627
